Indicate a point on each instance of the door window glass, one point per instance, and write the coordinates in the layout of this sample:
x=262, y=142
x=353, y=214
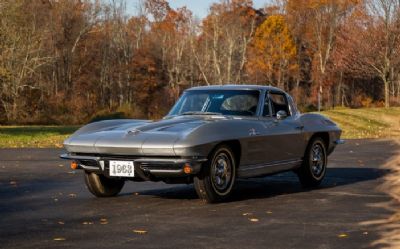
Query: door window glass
x=278, y=103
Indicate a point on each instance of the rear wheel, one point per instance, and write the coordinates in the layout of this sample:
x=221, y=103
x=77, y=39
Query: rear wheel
x=218, y=175
x=312, y=171
x=102, y=186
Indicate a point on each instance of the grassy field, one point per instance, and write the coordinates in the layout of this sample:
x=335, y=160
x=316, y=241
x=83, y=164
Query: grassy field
x=34, y=136
x=356, y=123
x=367, y=122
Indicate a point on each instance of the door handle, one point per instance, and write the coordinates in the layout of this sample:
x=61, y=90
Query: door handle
x=301, y=127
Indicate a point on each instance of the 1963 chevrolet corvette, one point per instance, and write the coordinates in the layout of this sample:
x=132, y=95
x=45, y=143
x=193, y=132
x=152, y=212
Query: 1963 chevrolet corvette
x=212, y=136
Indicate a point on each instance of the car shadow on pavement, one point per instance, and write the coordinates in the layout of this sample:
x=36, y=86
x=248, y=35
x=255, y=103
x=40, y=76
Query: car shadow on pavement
x=281, y=184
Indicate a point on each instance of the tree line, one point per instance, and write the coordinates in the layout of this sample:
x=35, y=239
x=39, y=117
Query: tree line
x=65, y=62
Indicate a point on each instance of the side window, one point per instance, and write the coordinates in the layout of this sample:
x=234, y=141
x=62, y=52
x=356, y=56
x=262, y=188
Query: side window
x=278, y=103
x=293, y=107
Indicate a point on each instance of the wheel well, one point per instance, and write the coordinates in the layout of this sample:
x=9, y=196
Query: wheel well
x=236, y=149
x=324, y=136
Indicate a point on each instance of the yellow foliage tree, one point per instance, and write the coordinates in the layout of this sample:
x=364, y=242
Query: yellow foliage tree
x=272, y=54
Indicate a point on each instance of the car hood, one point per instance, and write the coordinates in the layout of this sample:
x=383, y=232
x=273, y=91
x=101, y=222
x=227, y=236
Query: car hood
x=133, y=137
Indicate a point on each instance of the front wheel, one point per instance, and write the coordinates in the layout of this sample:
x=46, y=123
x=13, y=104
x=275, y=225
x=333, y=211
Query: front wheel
x=313, y=169
x=102, y=186
x=218, y=175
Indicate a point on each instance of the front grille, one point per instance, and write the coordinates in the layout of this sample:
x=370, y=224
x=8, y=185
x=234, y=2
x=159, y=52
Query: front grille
x=92, y=163
x=154, y=166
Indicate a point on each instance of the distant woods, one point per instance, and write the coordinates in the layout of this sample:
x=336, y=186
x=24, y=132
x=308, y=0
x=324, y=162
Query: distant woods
x=67, y=62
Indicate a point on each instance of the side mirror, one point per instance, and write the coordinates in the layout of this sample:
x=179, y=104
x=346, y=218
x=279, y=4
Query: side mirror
x=281, y=115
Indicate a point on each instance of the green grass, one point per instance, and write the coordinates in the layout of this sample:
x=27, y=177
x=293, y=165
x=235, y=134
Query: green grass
x=367, y=122
x=355, y=123
x=34, y=136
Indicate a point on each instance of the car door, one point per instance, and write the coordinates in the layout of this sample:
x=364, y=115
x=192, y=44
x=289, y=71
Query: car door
x=282, y=139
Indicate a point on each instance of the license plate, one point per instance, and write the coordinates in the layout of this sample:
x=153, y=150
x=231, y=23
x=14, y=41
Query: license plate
x=122, y=168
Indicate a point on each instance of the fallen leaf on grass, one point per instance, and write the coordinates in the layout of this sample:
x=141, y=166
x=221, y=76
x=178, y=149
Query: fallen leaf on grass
x=59, y=239
x=253, y=220
x=141, y=232
x=343, y=235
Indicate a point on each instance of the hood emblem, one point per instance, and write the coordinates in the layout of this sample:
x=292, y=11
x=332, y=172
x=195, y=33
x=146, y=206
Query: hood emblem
x=133, y=132
x=253, y=132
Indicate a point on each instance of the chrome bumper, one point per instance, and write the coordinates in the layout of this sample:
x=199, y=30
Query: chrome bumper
x=157, y=167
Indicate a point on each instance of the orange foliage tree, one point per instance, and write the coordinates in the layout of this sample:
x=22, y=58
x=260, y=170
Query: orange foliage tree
x=272, y=54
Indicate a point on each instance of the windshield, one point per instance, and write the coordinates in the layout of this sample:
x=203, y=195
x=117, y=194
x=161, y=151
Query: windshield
x=225, y=102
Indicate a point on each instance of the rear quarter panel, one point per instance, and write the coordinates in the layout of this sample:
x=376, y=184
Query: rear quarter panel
x=317, y=123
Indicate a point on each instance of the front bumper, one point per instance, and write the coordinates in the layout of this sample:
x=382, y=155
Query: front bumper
x=145, y=168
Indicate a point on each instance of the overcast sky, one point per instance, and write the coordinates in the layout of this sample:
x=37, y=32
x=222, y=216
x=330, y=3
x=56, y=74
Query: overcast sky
x=198, y=7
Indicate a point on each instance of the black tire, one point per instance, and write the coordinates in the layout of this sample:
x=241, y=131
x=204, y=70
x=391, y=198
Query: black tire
x=102, y=186
x=217, y=177
x=313, y=169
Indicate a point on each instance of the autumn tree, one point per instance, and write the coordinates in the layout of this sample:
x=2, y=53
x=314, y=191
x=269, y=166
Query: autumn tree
x=21, y=54
x=323, y=18
x=171, y=37
x=272, y=55
x=227, y=31
x=369, y=45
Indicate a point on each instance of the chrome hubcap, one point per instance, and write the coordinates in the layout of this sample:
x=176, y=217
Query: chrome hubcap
x=221, y=172
x=317, y=160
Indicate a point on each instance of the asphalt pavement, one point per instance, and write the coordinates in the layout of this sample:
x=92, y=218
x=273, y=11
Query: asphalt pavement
x=44, y=204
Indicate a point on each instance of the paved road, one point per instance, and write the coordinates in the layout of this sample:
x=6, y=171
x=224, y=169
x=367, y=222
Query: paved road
x=42, y=199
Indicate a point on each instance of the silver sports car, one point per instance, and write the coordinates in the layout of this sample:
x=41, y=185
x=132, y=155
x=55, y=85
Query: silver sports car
x=212, y=136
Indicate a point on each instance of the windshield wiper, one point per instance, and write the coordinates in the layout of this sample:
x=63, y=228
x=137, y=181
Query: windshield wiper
x=201, y=113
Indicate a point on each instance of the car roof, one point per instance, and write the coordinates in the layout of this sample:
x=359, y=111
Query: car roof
x=235, y=87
